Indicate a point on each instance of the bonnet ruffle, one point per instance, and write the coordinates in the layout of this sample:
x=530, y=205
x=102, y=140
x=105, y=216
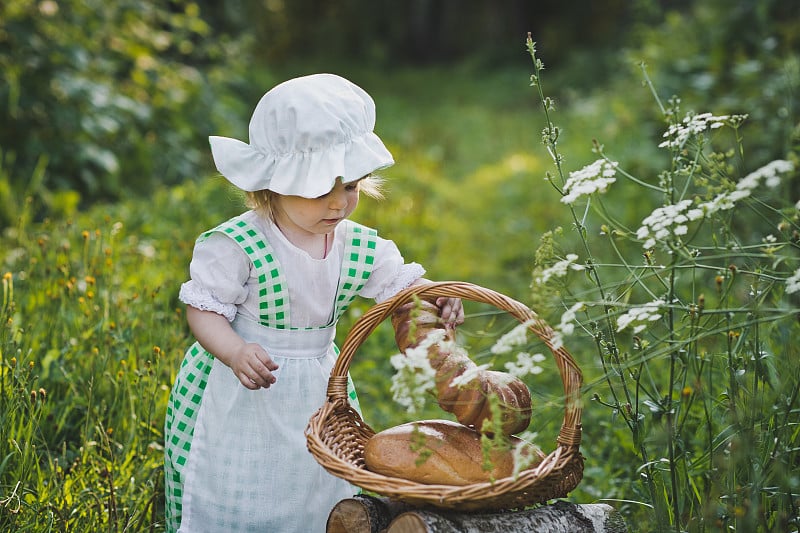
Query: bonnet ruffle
x=305, y=133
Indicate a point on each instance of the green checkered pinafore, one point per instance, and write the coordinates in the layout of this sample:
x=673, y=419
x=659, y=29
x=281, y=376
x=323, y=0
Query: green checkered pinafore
x=191, y=384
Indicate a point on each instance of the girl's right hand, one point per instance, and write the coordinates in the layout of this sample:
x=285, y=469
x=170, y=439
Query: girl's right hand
x=253, y=366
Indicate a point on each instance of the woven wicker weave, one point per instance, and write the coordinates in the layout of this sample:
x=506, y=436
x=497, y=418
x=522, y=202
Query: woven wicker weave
x=336, y=434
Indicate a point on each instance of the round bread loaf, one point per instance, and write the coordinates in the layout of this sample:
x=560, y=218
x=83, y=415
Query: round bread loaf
x=442, y=452
x=471, y=403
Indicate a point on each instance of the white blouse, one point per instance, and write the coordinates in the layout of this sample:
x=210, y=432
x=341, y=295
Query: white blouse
x=223, y=279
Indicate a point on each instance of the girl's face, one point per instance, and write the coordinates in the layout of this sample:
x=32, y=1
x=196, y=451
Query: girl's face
x=303, y=217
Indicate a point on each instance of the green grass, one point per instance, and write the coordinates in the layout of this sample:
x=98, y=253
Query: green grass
x=93, y=332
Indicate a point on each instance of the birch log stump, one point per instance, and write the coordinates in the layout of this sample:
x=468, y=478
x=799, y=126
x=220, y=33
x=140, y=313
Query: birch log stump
x=367, y=514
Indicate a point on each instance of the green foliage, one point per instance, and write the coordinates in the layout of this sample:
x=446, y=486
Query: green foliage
x=92, y=336
x=706, y=383
x=83, y=386
x=99, y=99
x=103, y=99
x=737, y=58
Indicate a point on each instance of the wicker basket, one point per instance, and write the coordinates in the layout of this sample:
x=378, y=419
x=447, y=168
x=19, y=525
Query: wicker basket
x=336, y=434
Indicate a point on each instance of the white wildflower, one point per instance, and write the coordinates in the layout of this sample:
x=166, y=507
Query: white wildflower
x=557, y=340
x=559, y=269
x=525, y=454
x=640, y=316
x=793, y=282
x=525, y=364
x=414, y=376
x=516, y=337
x=724, y=201
x=770, y=173
x=592, y=178
x=468, y=375
x=667, y=220
x=567, y=324
x=693, y=125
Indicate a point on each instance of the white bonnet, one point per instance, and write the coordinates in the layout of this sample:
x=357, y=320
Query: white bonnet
x=304, y=133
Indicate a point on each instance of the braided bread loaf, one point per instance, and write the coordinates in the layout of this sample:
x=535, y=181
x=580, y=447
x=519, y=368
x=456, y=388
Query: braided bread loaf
x=470, y=403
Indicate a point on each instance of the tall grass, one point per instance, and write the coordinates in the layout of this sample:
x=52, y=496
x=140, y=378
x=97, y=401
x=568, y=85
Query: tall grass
x=688, y=301
x=82, y=382
x=91, y=336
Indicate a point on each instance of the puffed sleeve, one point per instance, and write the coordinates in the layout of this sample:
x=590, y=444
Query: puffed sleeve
x=391, y=274
x=219, y=271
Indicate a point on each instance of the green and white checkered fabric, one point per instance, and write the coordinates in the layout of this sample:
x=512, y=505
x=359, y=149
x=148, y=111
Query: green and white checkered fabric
x=272, y=293
x=357, y=264
x=187, y=392
x=182, y=409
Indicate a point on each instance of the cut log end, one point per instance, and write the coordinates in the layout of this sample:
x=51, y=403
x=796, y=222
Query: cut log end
x=367, y=514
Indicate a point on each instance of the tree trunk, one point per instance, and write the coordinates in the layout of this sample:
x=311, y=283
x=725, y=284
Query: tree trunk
x=366, y=514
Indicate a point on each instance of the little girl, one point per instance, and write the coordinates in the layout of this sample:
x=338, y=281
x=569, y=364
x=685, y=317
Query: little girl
x=266, y=290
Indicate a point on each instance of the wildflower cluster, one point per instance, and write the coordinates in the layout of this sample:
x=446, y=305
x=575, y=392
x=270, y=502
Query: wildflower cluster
x=771, y=174
x=525, y=365
x=709, y=241
x=566, y=325
x=559, y=269
x=641, y=316
x=793, y=282
x=667, y=221
x=592, y=178
x=693, y=125
x=469, y=375
x=414, y=377
x=518, y=336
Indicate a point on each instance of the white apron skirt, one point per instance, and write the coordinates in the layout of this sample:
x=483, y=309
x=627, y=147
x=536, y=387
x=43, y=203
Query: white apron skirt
x=248, y=467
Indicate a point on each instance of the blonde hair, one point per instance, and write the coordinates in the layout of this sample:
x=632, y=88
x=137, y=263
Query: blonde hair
x=262, y=201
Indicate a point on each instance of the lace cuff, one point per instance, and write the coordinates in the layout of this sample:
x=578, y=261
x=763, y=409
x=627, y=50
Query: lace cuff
x=194, y=294
x=408, y=274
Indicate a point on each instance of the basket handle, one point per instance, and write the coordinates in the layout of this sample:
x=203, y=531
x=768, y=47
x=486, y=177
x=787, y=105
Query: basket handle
x=571, y=376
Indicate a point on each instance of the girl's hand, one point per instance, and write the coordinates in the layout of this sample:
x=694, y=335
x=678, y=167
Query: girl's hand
x=253, y=366
x=250, y=363
x=451, y=311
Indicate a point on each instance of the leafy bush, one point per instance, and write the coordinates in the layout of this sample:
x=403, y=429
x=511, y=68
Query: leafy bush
x=103, y=99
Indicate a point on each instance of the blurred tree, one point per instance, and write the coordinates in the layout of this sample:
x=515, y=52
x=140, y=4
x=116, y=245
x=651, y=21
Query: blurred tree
x=739, y=57
x=384, y=32
x=106, y=97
